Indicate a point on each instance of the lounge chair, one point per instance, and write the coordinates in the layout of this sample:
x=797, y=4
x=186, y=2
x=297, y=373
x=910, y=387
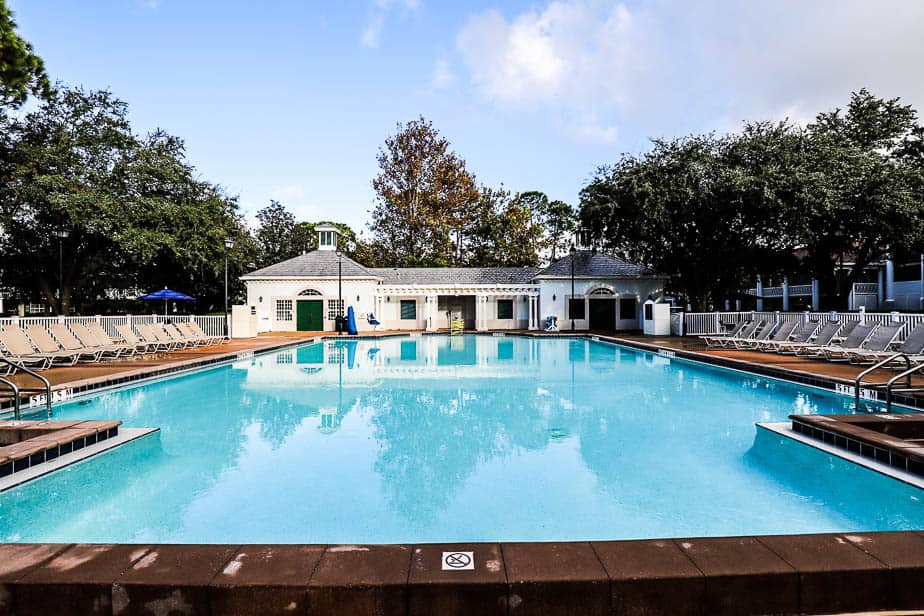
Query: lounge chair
x=764, y=333
x=46, y=344
x=799, y=335
x=196, y=329
x=129, y=337
x=782, y=334
x=852, y=342
x=69, y=342
x=155, y=335
x=373, y=321
x=830, y=334
x=744, y=333
x=18, y=348
x=551, y=323
x=713, y=339
x=179, y=336
x=912, y=350
x=106, y=340
x=880, y=339
x=90, y=341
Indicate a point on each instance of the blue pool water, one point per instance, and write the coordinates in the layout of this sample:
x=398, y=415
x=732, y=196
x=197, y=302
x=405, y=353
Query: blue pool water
x=469, y=438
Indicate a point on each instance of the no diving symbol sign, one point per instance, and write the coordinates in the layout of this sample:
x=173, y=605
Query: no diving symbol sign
x=458, y=561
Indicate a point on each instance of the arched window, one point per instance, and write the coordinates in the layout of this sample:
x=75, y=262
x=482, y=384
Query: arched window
x=602, y=291
x=310, y=292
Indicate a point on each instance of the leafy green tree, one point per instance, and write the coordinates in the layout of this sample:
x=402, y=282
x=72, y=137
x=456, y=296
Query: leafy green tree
x=21, y=71
x=125, y=211
x=557, y=220
x=504, y=234
x=713, y=212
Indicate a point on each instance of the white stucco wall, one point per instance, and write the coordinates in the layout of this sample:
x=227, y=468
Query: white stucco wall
x=553, y=296
x=264, y=293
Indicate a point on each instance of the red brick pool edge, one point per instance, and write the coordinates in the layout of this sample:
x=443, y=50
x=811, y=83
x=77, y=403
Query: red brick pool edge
x=796, y=574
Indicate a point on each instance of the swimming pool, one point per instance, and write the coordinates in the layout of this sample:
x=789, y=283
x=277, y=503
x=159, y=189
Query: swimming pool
x=470, y=438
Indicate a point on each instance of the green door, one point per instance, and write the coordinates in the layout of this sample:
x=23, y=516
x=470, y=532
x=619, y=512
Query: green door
x=309, y=315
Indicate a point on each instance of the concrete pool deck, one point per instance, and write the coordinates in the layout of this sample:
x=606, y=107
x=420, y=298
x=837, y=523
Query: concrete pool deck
x=834, y=573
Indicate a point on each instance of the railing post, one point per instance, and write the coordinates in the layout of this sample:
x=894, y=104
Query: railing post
x=862, y=315
x=805, y=318
x=776, y=317
x=893, y=316
x=716, y=323
x=15, y=320
x=683, y=322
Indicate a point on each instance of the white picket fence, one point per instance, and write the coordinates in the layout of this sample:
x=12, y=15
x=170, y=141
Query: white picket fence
x=700, y=323
x=212, y=325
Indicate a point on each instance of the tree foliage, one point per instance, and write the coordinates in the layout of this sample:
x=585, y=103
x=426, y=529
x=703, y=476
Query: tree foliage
x=21, y=71
x=280, y=237
x=431, y=212
x=121, y=211
x=713, y=212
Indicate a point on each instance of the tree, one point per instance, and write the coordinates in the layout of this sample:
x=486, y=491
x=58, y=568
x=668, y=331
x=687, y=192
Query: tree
x=504, y=234
x=715, y=212
x=557, y=220
x=21, y=71
x=131, y=207
x=425, y=197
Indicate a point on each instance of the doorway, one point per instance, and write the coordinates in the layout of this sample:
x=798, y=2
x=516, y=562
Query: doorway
x=309, y=315
x=603, y=314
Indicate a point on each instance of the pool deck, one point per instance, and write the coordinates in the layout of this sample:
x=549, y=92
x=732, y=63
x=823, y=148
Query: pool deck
x=839, y=573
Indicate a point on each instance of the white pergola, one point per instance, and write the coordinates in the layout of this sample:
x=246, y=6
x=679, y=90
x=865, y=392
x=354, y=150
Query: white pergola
x=428, y=294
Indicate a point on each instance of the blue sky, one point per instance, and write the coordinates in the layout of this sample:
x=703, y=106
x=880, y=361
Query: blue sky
x=291, y=99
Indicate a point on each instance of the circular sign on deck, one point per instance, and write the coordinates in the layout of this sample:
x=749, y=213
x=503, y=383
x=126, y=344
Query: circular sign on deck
x=458, y=561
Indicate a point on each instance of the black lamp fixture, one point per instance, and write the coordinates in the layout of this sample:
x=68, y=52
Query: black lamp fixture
x=571, y=251
x=339, y=321
x=62, y=235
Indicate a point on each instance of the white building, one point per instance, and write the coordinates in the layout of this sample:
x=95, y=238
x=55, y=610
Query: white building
x=307, y=292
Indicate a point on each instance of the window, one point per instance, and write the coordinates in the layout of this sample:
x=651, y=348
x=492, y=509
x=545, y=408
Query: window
x=334, y=309
x=628, y=307
x=505, y=309
x=326, y=238
x=576, y=308
x=311, y=292
x=283, y=309
x=408, y=310
x=602, y=291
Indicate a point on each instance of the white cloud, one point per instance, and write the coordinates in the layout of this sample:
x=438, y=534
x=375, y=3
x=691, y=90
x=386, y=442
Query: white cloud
x=375, y=23
x=664, y=66
x=443, y=76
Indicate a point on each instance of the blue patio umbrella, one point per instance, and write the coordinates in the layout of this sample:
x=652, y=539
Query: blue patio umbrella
x=167, y=295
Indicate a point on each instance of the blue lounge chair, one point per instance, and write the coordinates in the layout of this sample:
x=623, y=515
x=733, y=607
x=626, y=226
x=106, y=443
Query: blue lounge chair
x=373, y=321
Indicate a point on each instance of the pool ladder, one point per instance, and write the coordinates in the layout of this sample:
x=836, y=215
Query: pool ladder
x=889, y=386
x=16, y=391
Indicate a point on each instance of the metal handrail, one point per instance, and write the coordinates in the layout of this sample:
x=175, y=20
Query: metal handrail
x=37, y=376
x=859, y=380
x=16, y=400
x=907, y=374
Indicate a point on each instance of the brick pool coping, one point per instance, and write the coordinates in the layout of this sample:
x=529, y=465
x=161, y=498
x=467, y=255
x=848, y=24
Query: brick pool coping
x=826, y=573
x=786, y=574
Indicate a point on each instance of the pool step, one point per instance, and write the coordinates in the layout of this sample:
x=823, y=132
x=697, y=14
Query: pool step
x=26, y=444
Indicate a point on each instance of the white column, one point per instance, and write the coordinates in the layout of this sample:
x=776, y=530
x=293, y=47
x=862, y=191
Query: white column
x=760, y=294
x=431, y=313
x=785, y=294
x=815, y=295
x=533, y=320
x=479, y=312
x=889, y=285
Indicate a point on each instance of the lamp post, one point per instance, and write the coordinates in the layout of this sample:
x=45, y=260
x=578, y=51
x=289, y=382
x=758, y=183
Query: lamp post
x=229, y=244
x=339, y=321
x=62, y=234
x=571, y=251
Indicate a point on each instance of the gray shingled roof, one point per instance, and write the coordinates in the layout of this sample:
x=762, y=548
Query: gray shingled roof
x=456, y=275
x=317, y=263
x=597, y=265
